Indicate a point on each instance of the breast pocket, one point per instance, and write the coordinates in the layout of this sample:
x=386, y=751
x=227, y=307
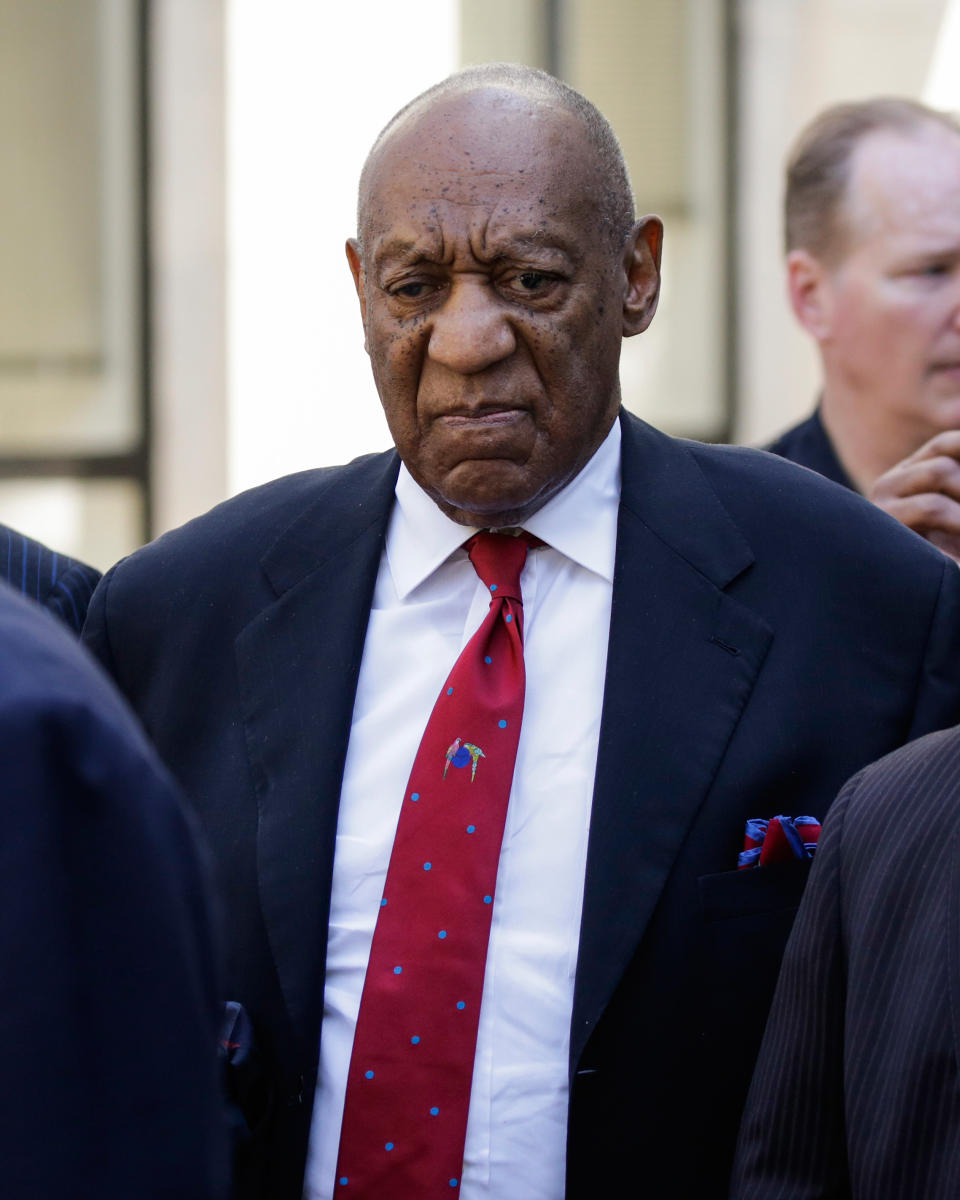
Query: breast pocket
x=729, y=895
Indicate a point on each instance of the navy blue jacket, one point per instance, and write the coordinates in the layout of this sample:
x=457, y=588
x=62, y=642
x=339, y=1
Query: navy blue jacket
x=108, y=1004
x=770, y=634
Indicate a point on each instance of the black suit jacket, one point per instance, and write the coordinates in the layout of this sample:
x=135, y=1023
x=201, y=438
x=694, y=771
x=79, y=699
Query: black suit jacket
x=108, y=1002
x=808, y=445
x=857, y=1092
x=61, y=584
x=769, y=635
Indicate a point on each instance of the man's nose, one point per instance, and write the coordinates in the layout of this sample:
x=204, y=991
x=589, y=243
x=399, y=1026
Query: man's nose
x=470, y=330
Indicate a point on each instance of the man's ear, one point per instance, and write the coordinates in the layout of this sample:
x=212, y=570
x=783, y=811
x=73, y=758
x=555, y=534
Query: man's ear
x=359, y=282
x=642, y=264
x=809, y=289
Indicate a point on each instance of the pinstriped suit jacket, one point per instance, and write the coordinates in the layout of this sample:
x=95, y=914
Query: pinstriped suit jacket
x=61, y=584
x=857, y=1092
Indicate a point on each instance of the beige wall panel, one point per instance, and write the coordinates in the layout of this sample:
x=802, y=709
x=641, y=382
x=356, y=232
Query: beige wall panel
x=189, y=259
x=503, y=31
x=630, y=58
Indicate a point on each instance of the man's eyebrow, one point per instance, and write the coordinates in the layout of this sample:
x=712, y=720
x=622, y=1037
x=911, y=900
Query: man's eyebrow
x=404, y=252
x=524, y=243
x=401, y=251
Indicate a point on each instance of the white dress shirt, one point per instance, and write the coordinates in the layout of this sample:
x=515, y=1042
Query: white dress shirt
x=427, y=604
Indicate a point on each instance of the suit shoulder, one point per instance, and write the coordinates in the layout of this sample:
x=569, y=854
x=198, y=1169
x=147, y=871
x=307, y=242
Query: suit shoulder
x=238, y=531
x=48, y=675
x=920, y=780
x=778, y=501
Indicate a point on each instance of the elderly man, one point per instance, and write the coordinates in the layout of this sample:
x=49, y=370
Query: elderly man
x=482, y=959
x=872, y=222
x=108, y=1002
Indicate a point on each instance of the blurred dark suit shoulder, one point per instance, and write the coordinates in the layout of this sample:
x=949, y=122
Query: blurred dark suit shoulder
x=108, y=997
x=808, y=445
x=61, y=584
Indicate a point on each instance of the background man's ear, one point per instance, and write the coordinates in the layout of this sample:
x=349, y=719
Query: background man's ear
x=642, y=263
x=356, y=270
x=808, y=286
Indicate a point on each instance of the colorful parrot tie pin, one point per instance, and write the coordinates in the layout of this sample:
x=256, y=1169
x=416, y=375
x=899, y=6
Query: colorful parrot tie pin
x=461, y=753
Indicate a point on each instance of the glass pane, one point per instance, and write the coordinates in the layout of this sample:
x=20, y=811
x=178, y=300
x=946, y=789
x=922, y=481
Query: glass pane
x=95, y=520
x=69, y=321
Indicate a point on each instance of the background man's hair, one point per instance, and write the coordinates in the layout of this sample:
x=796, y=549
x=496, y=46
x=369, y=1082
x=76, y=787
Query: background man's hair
x=818, y=168
x=615, y=198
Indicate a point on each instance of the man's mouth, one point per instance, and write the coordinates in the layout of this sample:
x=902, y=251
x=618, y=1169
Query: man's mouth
x=483, y=418
x=946, y=370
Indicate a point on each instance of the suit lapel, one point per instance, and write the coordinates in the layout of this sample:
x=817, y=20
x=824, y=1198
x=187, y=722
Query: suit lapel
x=298, y=663
x=682, y=660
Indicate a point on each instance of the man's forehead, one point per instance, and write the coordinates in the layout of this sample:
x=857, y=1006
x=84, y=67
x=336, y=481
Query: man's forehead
x=468, y=147
x=903, y=180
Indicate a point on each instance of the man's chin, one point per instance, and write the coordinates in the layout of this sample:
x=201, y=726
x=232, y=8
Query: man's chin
x=487, y=509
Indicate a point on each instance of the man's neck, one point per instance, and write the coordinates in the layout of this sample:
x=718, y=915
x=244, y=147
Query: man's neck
x=866, y=447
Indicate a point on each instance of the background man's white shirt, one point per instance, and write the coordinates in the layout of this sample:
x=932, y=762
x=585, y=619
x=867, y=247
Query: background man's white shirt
x=428, y=602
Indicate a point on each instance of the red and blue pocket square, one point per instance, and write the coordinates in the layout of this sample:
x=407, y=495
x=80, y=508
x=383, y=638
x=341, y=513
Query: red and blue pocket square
x=780, y=839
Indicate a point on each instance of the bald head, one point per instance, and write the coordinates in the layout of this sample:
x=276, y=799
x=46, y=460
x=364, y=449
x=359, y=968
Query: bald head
x=611, y=194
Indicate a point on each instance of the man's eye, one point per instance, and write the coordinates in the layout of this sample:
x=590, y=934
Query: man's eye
x=411, y=291
x=530, y=281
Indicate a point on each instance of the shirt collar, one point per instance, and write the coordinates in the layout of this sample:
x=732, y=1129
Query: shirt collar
x=580, y=521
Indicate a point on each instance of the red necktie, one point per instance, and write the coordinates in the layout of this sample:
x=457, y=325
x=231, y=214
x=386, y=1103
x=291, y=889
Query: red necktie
x=408, y=1090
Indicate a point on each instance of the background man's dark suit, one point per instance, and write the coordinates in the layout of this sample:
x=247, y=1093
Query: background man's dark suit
x=59, y=583
x=108, y=1004
x=808, y=445
x=857, y=1092
x=770, y=634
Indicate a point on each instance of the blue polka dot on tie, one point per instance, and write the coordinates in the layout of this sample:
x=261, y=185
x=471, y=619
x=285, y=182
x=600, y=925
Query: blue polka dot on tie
x=415, y=796
x=488, y=899
x=427, y=866
x=415, y=1040
x=461, y=1005
x=383, y=902
x=442, y=933
x=493, y=587
x=449, y=691
x=508, y=618
x=398, y=970
x=488, y=659
x=471, y=829
x=502, y=724
x=434, y=1111
x=388, y=1146
x=368, y=1074
x=453, y=1182
x=344, y=1181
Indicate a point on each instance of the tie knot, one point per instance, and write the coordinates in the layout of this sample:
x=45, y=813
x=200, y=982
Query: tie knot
x=498, y=559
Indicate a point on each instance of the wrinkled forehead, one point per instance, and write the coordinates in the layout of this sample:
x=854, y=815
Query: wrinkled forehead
x=498, y=153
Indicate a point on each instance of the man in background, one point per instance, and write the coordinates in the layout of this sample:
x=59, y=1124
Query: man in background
x=872, y=228
x=709, y=635
x=109, y=1011
x=58, y=583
